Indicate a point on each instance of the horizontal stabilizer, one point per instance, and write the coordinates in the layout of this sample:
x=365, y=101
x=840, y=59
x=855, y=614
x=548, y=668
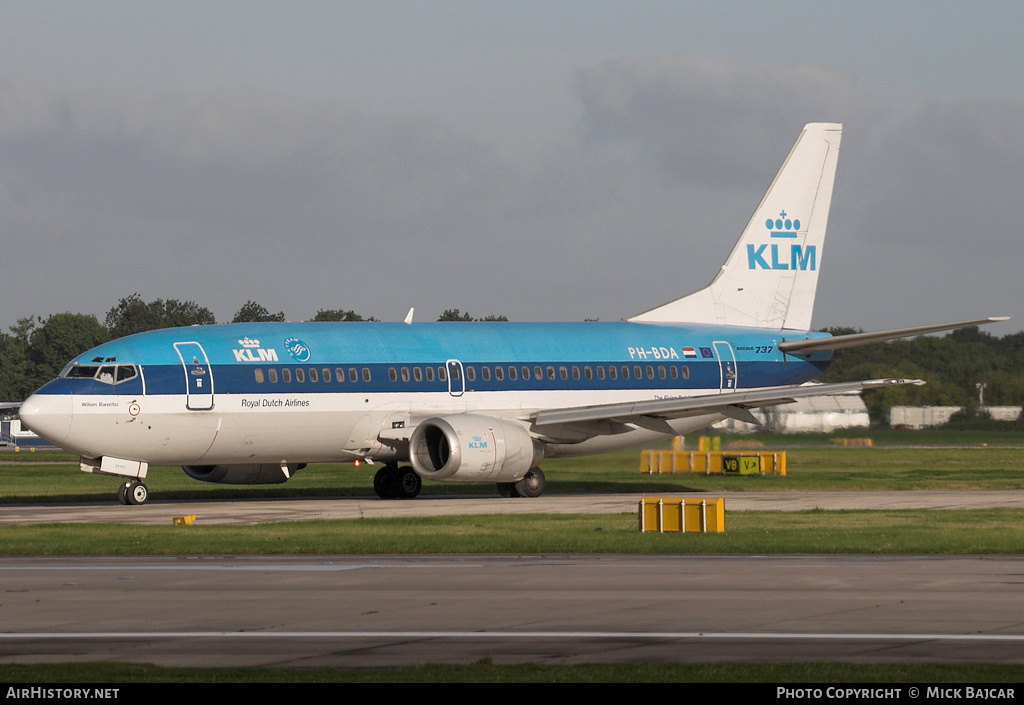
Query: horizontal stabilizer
x=808, y=345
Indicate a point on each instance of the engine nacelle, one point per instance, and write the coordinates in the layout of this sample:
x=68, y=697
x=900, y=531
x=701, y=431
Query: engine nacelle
x=471, y=448
x=247, y=474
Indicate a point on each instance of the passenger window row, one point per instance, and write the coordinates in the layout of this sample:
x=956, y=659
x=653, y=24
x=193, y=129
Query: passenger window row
x=324, y=374
x=486, y=373
x=576, y=372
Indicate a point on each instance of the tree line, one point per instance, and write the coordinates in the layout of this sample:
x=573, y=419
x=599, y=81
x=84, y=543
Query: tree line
x=952, y=366
x=35, y=350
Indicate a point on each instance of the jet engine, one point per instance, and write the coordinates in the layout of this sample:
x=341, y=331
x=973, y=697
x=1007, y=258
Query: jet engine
x=247, y=474
x=472, y=448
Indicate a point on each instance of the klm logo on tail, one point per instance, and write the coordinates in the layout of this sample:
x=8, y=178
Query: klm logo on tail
x=775, y=255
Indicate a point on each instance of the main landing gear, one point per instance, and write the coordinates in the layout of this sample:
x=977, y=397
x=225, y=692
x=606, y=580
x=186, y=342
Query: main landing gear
x=532, y=485
x=132, y=492
x=392, y=482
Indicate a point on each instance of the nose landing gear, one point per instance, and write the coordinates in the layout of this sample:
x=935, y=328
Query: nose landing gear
x=132, y=492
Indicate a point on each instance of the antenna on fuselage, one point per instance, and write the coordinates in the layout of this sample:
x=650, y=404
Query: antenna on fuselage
x=408, y=316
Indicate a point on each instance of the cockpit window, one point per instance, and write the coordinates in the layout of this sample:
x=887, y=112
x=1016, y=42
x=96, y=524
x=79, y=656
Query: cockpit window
x=76, y=371
x=125, y=372
x=110, y=374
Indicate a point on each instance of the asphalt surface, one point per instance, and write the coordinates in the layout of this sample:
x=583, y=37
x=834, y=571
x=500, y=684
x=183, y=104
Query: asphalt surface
x=371, y=612
x=241, y=512
x=365, y=611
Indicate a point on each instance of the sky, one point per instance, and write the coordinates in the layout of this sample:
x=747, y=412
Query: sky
x=542, y=160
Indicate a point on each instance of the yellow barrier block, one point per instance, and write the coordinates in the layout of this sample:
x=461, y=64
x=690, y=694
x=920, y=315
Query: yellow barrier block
x=683, y=514
x=185, y=520
x=663, y=462
x=852, y=442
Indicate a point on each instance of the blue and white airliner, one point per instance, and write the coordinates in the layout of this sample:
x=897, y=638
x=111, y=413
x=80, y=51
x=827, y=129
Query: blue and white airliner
x=467, y=402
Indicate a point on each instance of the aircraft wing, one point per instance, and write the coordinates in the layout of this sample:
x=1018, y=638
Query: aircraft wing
x=809, y=345
x=579, y=423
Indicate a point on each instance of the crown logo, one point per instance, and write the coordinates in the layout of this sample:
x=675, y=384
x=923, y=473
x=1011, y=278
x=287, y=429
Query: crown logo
x=782, y=226
x=248, y=342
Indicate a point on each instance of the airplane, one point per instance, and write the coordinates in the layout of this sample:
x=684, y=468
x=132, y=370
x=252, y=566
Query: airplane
x=253, y=403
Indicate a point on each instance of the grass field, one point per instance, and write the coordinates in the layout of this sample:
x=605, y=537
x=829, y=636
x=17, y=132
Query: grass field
x=899, y=460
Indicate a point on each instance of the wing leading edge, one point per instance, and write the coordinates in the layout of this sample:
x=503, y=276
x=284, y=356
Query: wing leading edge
x=580, y=423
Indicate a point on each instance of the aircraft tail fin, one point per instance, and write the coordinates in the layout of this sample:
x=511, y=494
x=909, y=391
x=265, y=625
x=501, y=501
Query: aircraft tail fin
x=770, y=278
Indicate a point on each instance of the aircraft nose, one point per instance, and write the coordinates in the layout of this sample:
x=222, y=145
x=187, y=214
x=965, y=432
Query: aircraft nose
x=47, y=413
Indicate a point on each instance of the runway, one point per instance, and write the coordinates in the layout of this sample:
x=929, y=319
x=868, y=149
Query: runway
x=368, y=612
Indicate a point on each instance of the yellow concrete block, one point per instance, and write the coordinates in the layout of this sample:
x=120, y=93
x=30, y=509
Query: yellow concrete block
x=682, y=514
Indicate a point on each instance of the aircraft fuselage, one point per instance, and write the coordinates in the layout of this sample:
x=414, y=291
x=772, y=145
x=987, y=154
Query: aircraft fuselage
x=308, y=392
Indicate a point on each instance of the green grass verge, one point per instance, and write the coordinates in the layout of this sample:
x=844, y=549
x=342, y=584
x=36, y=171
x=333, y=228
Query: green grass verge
x=997, y=531
x=816, y=467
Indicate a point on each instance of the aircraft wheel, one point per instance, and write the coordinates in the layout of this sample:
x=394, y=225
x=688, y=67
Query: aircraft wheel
x=532, y=484
x=505, y=489
x=137, y=493
x=384, y=482
x=122, y=492
x=407, y=482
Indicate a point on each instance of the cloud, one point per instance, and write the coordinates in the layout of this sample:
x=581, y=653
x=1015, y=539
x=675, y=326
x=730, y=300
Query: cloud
x=707, y=120
x=928, y=216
